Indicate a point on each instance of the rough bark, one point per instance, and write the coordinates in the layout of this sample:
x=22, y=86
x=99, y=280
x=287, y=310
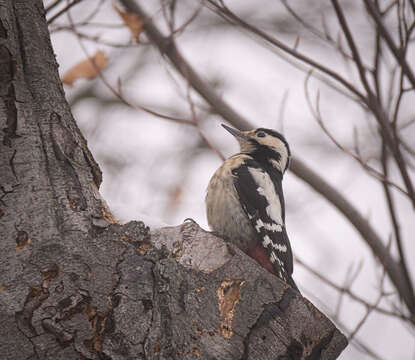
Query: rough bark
x=74, y=284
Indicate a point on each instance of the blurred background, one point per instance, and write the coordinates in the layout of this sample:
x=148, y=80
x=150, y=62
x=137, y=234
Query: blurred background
x=278, y=64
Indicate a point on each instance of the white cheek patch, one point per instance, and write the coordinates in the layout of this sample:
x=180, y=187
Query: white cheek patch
x=266, y=189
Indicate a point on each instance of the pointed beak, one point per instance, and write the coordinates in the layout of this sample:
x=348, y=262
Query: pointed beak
x=235, y=132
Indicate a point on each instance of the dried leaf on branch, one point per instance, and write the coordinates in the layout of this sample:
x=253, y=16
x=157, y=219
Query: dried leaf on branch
x=88, y=68
x=132, y=21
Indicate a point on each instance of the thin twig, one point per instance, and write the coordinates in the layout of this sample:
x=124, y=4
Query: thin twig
x=376, y=68
x=369, y=310
x=348, y=282
x=118, y=93
x=230, y=16
x=51, y=6
x=281, y=112
x=84, y=24
x=64, y=10
x=197, y=123
x=355, y=52
x=350, y=293
x=317, y=116
x=96, y=39
x=389, y=40
x=322, y=35
x=394, y=218
x=191, y=18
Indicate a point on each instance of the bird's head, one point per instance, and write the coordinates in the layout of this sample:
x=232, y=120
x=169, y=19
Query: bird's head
x=264, y=145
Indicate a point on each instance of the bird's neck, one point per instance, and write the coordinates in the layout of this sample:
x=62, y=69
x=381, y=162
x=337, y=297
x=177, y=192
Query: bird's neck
x=270, y=161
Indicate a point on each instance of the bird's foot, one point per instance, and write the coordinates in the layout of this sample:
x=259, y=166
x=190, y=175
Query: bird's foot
x=190, y=220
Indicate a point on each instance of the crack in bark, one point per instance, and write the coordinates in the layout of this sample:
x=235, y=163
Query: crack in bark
x=34, y=299
x=270, y=312
x=11, y=163
x=3, y=31
x=165, y=317
x=64, y=147
x=7, y=189
x=145, y=341
x=21, y=43
x=96, y=171
x=316, y=351
x=23, y=318
x=57, y=208
x=63, y=336
x=7, y=71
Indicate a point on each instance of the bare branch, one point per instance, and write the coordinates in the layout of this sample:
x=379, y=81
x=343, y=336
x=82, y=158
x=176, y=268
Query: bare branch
x=347, y=290
x=355, y=52
x=372, y=239
x=64, y=10
x=370, y=170
x=388, y=38
x=53, y=5
x=376, y=67
x=348, y=282
x=394, y=218
x=197, y=123
x=369, y=309
x=233, y=18
x=323, y=35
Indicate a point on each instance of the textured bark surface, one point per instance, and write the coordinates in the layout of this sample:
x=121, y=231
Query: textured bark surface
x=74, y=285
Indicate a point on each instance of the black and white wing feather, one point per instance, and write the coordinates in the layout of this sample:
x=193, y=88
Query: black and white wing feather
x=262, y=200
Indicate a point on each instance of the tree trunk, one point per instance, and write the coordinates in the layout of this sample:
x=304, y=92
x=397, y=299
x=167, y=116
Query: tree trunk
x=76, y=285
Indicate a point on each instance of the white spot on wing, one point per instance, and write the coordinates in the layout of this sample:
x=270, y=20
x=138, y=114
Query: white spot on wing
x=274, y=259
x=266, y=189
x=267, y=241
x=267, y=226
x=280, y=247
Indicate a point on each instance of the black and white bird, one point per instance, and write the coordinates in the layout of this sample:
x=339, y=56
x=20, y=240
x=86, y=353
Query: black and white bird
x=245, y=201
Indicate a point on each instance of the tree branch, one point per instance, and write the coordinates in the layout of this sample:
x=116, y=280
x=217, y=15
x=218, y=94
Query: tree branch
x=63, y=11
x=388, y=38
x=394, y=218
x=233, y=18
x=352, y=45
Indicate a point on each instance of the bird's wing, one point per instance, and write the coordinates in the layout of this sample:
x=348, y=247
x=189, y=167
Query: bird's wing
x=258, y=194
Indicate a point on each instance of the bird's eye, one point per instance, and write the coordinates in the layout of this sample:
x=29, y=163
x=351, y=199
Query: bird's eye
x=260, y=134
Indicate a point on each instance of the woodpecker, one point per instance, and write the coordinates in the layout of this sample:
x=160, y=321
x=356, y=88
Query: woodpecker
x=245, y=201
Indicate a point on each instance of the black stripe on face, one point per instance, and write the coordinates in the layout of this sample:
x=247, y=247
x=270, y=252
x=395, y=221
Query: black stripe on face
x=263, y=153
x=277, y=135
